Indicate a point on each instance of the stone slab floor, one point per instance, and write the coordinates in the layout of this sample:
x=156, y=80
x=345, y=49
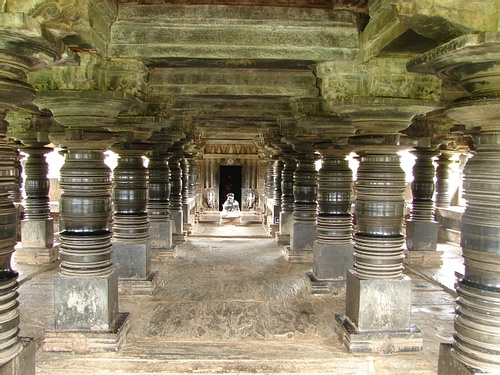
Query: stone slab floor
x=229, y=302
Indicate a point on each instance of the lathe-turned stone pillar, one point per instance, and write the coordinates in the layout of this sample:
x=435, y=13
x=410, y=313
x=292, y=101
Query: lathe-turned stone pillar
x=286, y=213
x=378, y=294
x=86, y=289
x=24, y=47
x=188, y=167
x=131, y=244
x=333, y=247
x=158, y=207
x=11, y=352
x=421, y=228
x=305, y=205
x=474, y=62
x=176, y=211
x=37, y=227
x=443, y=175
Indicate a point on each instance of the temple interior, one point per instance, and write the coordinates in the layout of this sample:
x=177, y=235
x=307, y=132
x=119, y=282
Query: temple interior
x=250, y=186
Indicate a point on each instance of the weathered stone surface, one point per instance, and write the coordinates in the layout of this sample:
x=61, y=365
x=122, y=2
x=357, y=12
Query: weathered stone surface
x=331, y=261
x=160, y=234
x=421, y=235
x=37, y=233
x=132, y=259
x=24, y=362
x=86, y=303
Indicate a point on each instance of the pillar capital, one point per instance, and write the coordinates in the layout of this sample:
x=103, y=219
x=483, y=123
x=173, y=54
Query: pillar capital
x=78, y=139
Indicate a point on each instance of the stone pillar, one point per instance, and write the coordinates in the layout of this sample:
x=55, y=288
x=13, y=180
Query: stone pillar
x=333, y=247
x=24, y=47
x=86, y=289
x=131, y=244
x=188, y=167
x=286, y=213
x=474, y=62
x=158, y=207
x=37, y=227
x=421, y=228
x=10, y=343
x=443, y=174
x=176, y=211
x=305, y=191
x=378, y=294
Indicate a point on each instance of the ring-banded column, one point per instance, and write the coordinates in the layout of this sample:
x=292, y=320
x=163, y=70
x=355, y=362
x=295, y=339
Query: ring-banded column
x=474, y=62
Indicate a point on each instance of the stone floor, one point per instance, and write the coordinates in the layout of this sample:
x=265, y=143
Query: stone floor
x=229, y=302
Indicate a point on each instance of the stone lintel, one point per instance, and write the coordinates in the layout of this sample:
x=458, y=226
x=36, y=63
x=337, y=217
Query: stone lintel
x=132, y=259
x=135, y=287
x=378, y=305
x=24, y=362
x=448, y=364
x=85, y=342
x=381, y=342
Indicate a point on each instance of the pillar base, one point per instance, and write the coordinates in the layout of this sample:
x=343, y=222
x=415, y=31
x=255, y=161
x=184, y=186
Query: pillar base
x=84, y=342
x=422, y=235
x=321, y=287
x=160, y=234
x=176, y=218
x=24, y=362
x=303, y=236
x=161, y=255
x=423, y=258
x=44, y=255
x=449, y=365
x=283, y=239
x=86, y=303
x=381, y=342
x=135, y=287
x=297, y=256
x=178, y=238
x=132, y=259
x=331, y=261
x=37, y=233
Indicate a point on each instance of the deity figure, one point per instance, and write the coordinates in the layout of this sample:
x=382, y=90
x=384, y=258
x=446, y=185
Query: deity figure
x=231, y=205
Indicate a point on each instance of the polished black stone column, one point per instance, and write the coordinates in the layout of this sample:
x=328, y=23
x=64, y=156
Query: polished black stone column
x=286, y=213
x=443, y=175
x=305, y=205
x=158, y=207
x=189, y=189
x=86, y=290
x=131, y=244
x=176, y=210
x=421, y=228
x=333, y=247
x=10, y=343
x=37, y=228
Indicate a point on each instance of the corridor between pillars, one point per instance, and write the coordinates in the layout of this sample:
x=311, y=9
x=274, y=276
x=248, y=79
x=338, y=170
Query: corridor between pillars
x=131, y=245
x=305, y=205
x=474, y=62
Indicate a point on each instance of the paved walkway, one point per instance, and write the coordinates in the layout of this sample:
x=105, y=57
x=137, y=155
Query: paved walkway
x=228, y=302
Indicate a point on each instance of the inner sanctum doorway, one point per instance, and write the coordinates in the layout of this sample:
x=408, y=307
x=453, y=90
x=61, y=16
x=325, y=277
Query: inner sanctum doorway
x=229, y=182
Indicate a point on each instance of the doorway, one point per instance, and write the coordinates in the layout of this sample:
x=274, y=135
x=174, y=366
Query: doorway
x=230, y=182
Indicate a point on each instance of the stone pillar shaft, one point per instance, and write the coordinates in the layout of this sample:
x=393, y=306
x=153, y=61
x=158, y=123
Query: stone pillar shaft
x=333, y=246
x=176, y=196
x=477, y=320
x=443, y=173
x=10, y=345
x=131, y=244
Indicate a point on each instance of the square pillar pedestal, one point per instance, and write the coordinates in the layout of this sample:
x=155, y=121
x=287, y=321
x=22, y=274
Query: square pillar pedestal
x=23, y=363
x=421, y=244
x=302, y=239
x=330, y=265
x=160, y=235
x=37, y=242
x=86, y=315
x=377, y=316
x=285, y=228
x=178, y=234
x=133, y=265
